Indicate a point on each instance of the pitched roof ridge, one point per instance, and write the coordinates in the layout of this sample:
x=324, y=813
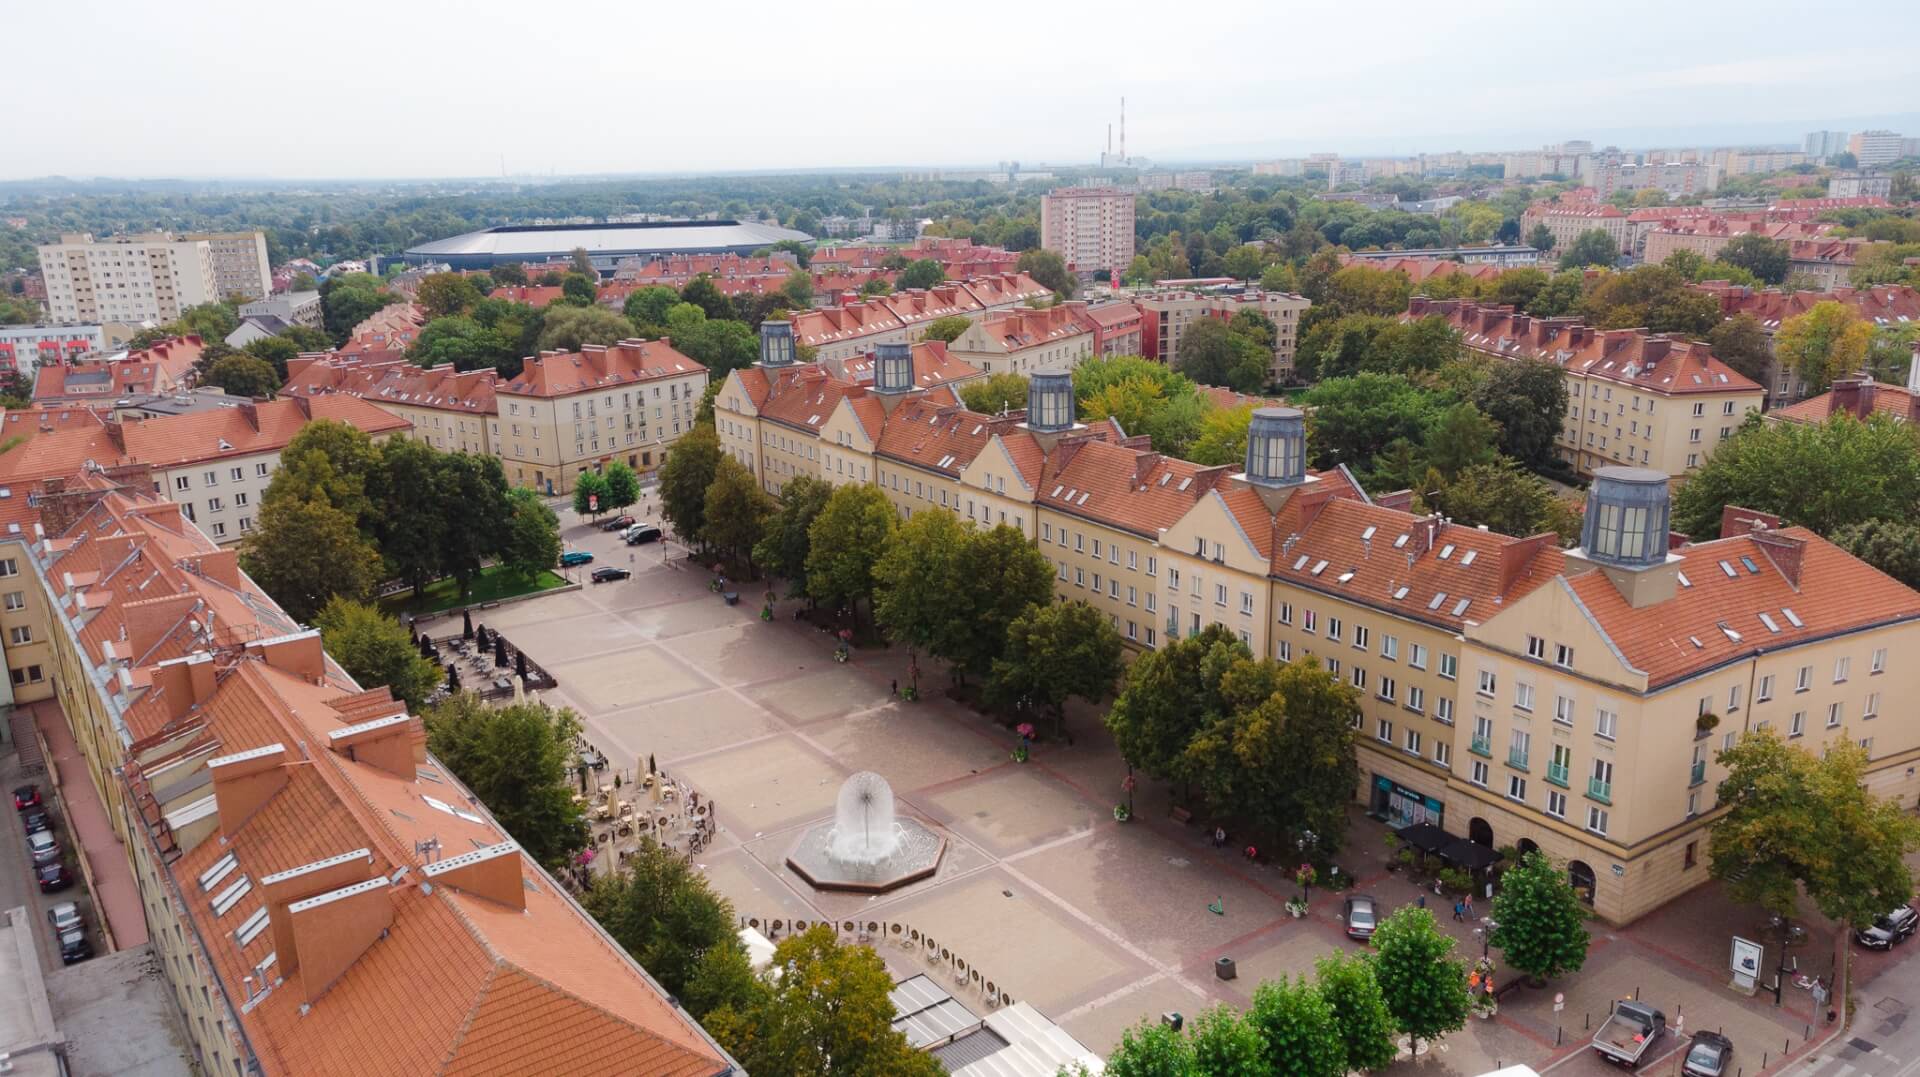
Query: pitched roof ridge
x=619, y=1018
x=479, y=1001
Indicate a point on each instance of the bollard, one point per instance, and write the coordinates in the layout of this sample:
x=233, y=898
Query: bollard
x=1557, y=1030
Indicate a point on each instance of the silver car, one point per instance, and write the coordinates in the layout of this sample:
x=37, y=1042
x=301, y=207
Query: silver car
x=1360, y=916
x=44, y=848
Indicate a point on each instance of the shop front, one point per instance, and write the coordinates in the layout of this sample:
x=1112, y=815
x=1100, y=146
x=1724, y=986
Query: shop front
x=1399, y=806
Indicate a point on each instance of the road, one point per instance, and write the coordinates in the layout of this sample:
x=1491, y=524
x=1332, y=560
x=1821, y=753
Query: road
x=1884, y=1041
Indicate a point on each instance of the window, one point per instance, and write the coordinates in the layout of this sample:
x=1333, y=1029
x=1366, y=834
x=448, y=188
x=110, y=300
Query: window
x=20, y=634
x=183, y=482
x=1797, y=724
x=212, y=478
x=1523, y=696
x=1333, y=629
x=1359, y=677
x=1389, y=648
x=1835, y=712
x=1563, y=710
x=1487, y=683
x=240, y=500
x=1563, y=656
x=1765, y=690
x=1733, y=698
x=234, y=474
x=1443, y=709
x=1173, y=574
x=1416, y=656
x=1479, y=774
x=219, y=530
x=1840, y=669
x=1606, y=723
x=1449, y=666
x=1482, y=736
x=1557, y=770
x=1536, y=647
x=1286, y=613
x=1283, y=650
x=1516, y=788
x=1246, y=602
x=1804, y=679
x=1556, y=804
x=1416, y=698
x=1600, y=785
x=214, y=505
x=1518, y=747
x=1153, y=565
x=1360, y=634
x=1597, y=820
x=29, y=675
x=1879, y=662
x=1307, y=620
x=1442, y=752
x=16, y=600
x=1046, y=531
x=1219, y=594
x=1872, y=708
x=1384, y=730
x=1691, y=855
x=1388, y=690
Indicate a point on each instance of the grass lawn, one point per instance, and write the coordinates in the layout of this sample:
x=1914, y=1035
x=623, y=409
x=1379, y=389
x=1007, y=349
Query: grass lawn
x=491, y=585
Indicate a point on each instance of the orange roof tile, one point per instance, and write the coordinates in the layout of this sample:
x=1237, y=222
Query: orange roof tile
x=596, y=366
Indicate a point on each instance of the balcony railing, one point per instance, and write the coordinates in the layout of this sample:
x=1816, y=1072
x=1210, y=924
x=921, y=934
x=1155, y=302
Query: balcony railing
x=1600, y=791
x=1557, y=774
x=1481, y=747
x=1516, y=759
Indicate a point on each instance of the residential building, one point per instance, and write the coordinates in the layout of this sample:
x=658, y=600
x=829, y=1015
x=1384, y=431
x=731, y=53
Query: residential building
x=293, y=308
x=1705, y=236
x=855, y=327
x=1633, y=398
x=239, y=264
x=451, y=410
x=24, y=347
x=165, y=367
x=321, y=895
x=1165, y=316
x=1821, y=145
x=1503, y=257
x=1025, y=341
x=1565, y=221
x=1827, y=263
x=387, y=333
x=1756, y=162
x=150, y=277
x=215, y=465
x=1870, y=148
x=570, y=412
x=1091, y=228
x=1420, y=269
x=1849, y=184
x=1676, y=179
x=1860, y=396
x=1117, y=327
x=1886, y=306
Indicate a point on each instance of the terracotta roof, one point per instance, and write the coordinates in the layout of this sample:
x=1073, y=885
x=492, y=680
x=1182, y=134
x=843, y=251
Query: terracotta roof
x=1884, y=305
x=1128, y=489
x=533, y=295
x=939, y=437
x=1715, y=616
x=440, y=388
x=1017, y=330
x=600, y=367
x=154, y=370
x=932, y=365
x=803, y=397
x=1860, y=395
x=1420, y=269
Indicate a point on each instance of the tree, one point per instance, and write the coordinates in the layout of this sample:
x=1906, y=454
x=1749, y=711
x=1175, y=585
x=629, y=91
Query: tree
x=684, y=479
x=1527, y=401
x=1827, y=342
x=923, y=273
x=276, y=352
x=407, y=492
x=532, y=543
x=348, y=300
x=664, y=912
x=1823, y=475
x=1506, y=499
x=1213, y=354
x=648, y=306
x=918, y=591
x=948, y=328
x=590, y=494
x=623, y=486
x=798, y=287
x=306, y=552
x=1892, y=546
x=243, y=375
x=783, y=545
x=472, y=492
x=518, y=759
x=1340, y=347
x=736, y=512
x=1561, y=295
x=995, y=393
x=1169, y=695
x=1226, y=1044
x=1223, y=437
x=579, y=290
x=1057, y=651
x=1359, y=1010
x=1652, y=297
x=1754, y=252
x=1461, y=437
x=512, y=273
x=844, y=544
x=1049, y=270
x=569, y=329
x=1593, y=247
x=1278, y=277
x=829, y=1012
x=1741, y=343
x=702, y=293
x=464, y=342
x=1151, y=1049
x=1424, y=987
x=583, y=263
x=1300, y=1028
x=1541, y=238
x=1005, y=575
x=1540, y=924
x=1353, y=417
x=444, y=294
x=1794, y=819
x=377, y=650
x=331, y=461
x=720, y=346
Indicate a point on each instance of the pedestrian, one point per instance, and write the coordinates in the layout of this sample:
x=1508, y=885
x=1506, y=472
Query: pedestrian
x=1219, y=837
x=894, y=687
x=1468, y=903
x=1459, y=910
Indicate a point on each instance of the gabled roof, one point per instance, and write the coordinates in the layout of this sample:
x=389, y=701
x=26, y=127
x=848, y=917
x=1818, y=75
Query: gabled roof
x=1127, y=488
x=933, y=364
x=595, y=367
x=1653, y=363
x=395, y=382
x=940, y=437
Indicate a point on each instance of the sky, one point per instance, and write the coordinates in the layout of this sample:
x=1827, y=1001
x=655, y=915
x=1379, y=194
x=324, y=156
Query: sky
x=427, y=88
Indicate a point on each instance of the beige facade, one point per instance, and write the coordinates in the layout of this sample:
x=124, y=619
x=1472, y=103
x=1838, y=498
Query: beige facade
x=1168, y=314
x=150, y=277
x=1612, y=422
x=569, y=413
x=1566, y=223
x=1021, y=342
x=239, y=263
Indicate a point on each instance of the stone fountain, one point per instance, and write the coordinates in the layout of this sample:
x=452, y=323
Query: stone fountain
x=867, y=847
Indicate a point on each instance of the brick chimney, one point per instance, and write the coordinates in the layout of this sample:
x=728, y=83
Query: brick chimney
x=222, y=566
x=1844, y=396
x=150, y=620
x=244, y=781
x=385, y=743
x=184, y=683
x=492, y=873
x=332, y=930
x=1654, y=349
x=281, y=889
x=1736, y=521
x=298, y=653
x=1417, y=306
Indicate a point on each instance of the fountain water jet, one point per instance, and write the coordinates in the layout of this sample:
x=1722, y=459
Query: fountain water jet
x=866, y=847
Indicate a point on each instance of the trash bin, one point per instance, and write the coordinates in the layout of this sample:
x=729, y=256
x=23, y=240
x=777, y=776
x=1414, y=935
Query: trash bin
x=1225, y=969
x=1173, y=1020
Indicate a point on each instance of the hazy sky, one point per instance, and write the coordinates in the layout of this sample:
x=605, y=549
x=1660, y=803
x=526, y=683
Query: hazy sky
x=413, y=88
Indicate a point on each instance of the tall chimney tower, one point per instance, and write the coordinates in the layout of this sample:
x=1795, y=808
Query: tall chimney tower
x=1123, y=130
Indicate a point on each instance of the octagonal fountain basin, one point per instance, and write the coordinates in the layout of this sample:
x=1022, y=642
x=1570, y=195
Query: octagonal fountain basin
x=866, y=847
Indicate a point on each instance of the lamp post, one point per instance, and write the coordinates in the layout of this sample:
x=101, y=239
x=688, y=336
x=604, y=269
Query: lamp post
x=1486, y=936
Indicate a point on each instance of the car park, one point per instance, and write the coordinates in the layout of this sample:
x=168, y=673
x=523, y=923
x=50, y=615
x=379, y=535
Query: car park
x=609, y=572
x=1890, y=930
x=44, y=848
x=618, y=523
x=1359, y=916
x=1707, y=1055
x=52, y=877
x=574, y=557
x=26, y=796
x=36, y=820
x=639, y=534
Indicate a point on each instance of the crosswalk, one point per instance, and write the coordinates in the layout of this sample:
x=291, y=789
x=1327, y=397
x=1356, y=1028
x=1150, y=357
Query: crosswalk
x=1855, y=1058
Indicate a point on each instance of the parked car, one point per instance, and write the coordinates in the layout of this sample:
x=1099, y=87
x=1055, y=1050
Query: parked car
x=1894, y=928
x=26, y=796
x=574, y=557
x=1629, y=1032
x=44, y=848
x=609, y=572
x=1708, y=1055
x=70, y=931
x=618, y=523
x=36, y=820
x=54, y=876
x=1359, y=916
x=642, y=533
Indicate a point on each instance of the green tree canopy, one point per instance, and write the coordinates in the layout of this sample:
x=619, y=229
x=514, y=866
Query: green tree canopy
x=1050, y=270
x=1507, y=499
x=1057, y=651
x=304, y=553
x=684, y=479
x=1359, y=1010
x=995, y=393
x=1300, y=1028
x=347, y=300
x=376, y=650
x=702, y=293
x=1527, y=401
x=1765, y=258
x=1824, y=475
x=1213, y=353
x=1741, y=343
x=1829, y=341
x=533, y=535
x=782, y=549
x=1651, y=297
x=1223, y=437
x=623, y=486
x=569, y=329
x=1424, y=985
x=243, y=375
x=918, y=591
x=844, y=544
x=518, y=759
x=1892, y=546
x=579, y=290
x=1169, y=696
x=510, y=273
x=948, y=328
x=1152, y=1049
x=1227, y=1044
x=443, y=294
x=736, y=511
x=1593, y=247
x=276, y=352
x=648, y=306
x=1354, y=417
x=1540, y=924
x=590, y=493
x=923, y=273
x=662, y=910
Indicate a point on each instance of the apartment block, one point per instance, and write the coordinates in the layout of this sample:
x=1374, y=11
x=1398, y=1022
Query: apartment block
x=1091, y=228
x=1870, y=148
x=1676, y=179
x=1026, y=341
x=1885, y=306
x=1166, y=316
x=1821, y=145
x=1634, y=399
x=1565, y=221
x=165, y=367
x=449, y=409
x=855, y=327
x=570, y=412
x=26, y=347
x=239, y=264
x=1845, y=184
x=150, y=277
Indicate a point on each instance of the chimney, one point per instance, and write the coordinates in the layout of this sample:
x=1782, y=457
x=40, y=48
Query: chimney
x=1863, y=407
x=1844, y=396
x=1785, y=551
x=492, y=873
x=222, y=566
x=150, y=620
x=1398, y=500
x=1736, y=521
x=281, y=889
x=244, y=781
x=184, y=683
x=298, y=653
x=332, y=930
x=1417, y=306
x=250, y=412
x=1654, y=349
x=385, y=743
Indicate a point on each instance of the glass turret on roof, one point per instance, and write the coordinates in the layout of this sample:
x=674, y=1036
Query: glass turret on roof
x=1626, y=521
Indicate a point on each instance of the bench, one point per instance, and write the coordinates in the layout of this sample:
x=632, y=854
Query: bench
x=1181, y=815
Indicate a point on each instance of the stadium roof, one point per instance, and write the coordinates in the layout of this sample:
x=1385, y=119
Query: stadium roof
x=605, y=243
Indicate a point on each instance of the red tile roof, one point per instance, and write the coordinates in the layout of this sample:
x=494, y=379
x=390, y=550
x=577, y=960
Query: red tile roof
x=156, y=370
x=395, y=382
x=595, y=366
x=1884, y=305
x=932, y=365
x=533, y=295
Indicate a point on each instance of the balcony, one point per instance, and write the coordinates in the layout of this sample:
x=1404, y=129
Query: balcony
x=1481, y=747
x=1699, y=773
x=1557, y=774
x=1516, y=759
x=1600, y=791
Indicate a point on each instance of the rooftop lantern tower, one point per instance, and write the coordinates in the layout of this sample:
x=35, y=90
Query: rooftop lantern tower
x=1050, y=404
x=776, y=344
x=1276, y=447
x=893, y=368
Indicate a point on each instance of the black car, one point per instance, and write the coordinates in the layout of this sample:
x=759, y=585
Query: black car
x=70, y=931
x=609, y=572
x=52, y=877
x=639, y=534
x=1891, y=929
x=618, y=523
x=1360, y=916
x=1708, y=1055
x=26, y=796
x=36, y=820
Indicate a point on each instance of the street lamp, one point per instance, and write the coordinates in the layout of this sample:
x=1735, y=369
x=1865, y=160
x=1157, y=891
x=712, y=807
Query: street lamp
x=1486, y=937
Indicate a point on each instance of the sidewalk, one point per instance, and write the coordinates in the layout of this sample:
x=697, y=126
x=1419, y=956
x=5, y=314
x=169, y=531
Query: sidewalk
x=115, y=893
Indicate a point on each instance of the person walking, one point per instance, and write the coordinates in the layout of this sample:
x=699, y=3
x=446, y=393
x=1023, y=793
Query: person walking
x=1459, y=911
x=1468, y=903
